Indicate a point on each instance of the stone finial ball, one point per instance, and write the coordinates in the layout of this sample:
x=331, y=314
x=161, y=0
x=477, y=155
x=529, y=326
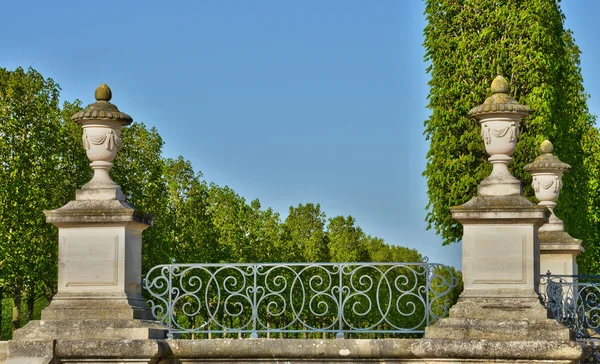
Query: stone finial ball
x=546, y=147
x=103, y=93
x=499, y=85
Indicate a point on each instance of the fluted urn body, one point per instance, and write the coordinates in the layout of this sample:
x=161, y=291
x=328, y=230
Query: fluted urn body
x=102, y=123
x=547, y=171
x=500, y=116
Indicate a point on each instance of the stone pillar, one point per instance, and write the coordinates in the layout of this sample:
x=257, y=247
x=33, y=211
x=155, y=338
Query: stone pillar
x=558, y=249
x=100, y=247
x=499, y=310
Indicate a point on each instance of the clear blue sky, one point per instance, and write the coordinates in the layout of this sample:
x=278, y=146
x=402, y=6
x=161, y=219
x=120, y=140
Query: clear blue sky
x=286, y=101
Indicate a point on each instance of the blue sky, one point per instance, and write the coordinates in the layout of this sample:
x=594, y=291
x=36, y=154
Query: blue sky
x=286, y=101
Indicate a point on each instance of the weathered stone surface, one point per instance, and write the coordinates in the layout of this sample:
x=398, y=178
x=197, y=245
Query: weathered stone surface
x=96, y=212
x=503, y=351
x=91, y=330
x=3, y=351
x=96, y=306
x=508, y=209
x=315, y=351
x=240, y=350
x=498, y=330
x=558, y=252
x=502, y=309
x=30, y=352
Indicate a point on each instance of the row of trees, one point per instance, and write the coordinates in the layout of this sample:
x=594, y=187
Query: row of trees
x=43, y=164
x=467, y=44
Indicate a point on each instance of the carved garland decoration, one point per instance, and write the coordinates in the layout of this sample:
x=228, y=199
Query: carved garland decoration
x=487, y=132
x=556, y=182
x=110, y=139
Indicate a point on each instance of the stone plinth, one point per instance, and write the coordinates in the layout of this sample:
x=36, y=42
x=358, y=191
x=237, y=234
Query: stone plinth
x=100, y=268
x=99, y=276
x=558, y=253
x=499, y=311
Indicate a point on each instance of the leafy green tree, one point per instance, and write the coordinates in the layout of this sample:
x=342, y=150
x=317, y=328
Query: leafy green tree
x=35, y=148
x=467, y=44
x=230, y=216
x=191, y=233
x=305, y=234
x=347, y=242
x=138, y=169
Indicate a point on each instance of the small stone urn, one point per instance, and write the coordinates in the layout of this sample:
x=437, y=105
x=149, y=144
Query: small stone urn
x=500, y=116
x=547, y=171
x=102, y=123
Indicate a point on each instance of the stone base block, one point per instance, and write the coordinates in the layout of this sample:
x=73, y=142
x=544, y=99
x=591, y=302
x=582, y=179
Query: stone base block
x=30, y=352
x=478, y=351
x=3, y=351
x=84, y=307
x=91, y=330
x=486, y=329
x=501, y=309
x=499, y=319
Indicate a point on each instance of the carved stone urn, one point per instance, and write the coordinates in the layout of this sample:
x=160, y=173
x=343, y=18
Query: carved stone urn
x=500, y=116
x=102, y=123
x=547, y=171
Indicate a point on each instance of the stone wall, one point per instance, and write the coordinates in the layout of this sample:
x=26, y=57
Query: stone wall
x=286, y=351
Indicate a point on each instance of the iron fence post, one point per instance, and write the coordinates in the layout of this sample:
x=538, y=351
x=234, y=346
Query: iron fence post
x=340, y=333
x=254, y=334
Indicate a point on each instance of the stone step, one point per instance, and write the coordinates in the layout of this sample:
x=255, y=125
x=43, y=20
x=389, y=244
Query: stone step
x=499, y=309
x=90, y=329
x=3, y=351
x=498, y=330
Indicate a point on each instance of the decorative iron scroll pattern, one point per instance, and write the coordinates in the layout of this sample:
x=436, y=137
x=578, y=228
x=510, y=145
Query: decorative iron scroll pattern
x=320, y=299
x=575, y=302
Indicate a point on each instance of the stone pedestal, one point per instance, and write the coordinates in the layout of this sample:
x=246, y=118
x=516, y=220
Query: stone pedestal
x=499, y=309
x=99, y=275
x=558, y=253
x=499, y=312
x=99, y=254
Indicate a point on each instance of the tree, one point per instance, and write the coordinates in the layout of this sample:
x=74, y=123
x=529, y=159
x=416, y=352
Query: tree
x=192, y=236
x=138, y=169
x=467, y=44
x=347, y=243
x=37, y=153
x=305, y=234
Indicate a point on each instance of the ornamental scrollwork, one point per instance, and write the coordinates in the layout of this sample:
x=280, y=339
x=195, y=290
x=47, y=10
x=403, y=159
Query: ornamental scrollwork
x=286, y=299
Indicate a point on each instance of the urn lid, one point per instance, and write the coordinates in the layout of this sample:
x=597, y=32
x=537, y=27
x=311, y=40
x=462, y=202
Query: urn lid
x=102, y=109
x=499, y=102
x=547, y=162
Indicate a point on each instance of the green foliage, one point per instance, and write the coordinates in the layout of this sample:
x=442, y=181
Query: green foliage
x=305, y=233
x=347, y=243
x=467, y=44
x=43, y=163
x=38, y=172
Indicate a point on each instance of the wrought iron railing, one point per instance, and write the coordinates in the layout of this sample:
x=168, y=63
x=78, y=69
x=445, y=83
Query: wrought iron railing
x=316, y=300
x=573, y=301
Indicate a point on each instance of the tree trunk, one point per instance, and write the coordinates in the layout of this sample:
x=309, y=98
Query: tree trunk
x=30, y=303
x=17, y=309
x=1, y=301
x=49, y=292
